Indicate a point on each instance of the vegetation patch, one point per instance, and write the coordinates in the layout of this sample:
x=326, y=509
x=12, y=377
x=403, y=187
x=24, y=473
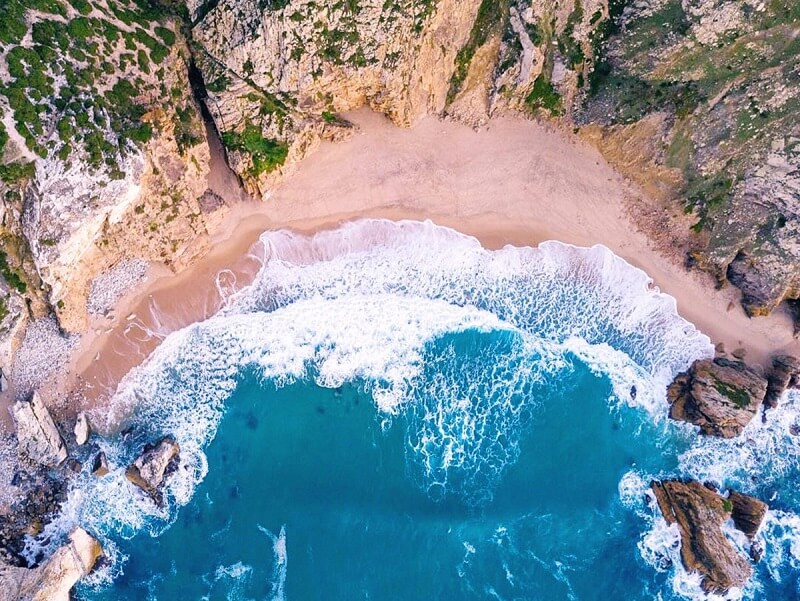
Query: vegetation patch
x=544, y=96
x=266, y=153
x=492, y=15
x=738, y=396
x=11, y=276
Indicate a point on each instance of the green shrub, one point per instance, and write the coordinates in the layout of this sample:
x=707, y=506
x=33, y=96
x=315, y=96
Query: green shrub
x=266, y=153
x=11, y=277
x=544, y=96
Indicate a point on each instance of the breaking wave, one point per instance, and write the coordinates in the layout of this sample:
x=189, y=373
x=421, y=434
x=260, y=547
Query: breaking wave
x=461, y=342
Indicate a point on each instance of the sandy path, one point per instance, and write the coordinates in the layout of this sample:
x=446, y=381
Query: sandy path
x=514, y=182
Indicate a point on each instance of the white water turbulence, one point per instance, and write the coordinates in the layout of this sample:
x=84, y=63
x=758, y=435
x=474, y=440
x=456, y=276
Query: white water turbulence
x=389, y=306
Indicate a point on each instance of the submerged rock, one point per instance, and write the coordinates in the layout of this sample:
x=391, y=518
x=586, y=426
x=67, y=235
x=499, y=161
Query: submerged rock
x=151, y=469
x=785, y=374
x=53, y=580
x=720, y=396
x=82, y=429
x=38, y=437
x=700, y=513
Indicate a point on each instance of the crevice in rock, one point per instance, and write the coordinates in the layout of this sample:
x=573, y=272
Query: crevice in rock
x=219, y=162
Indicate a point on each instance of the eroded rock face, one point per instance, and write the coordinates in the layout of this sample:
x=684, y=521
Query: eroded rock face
x=153, y=467
x=785, y=374
x=39, y=439
x=747, y=512
x=720, y=396
x=53, y=580
x=700, y=513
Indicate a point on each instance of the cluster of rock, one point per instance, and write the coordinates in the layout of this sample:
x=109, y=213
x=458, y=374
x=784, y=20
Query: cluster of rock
x=700, y=513
x=722, y=396
x=44, y=450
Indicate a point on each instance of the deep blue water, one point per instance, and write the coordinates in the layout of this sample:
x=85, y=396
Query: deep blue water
x=392, y=412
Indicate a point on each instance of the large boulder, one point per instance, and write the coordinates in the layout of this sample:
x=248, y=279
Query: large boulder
x=153, y=466
x=700, y=513
x=721, y=396
x=82, y=429
x=785, y=373
x=53, y=580
x=747, y=512
x=38, y=437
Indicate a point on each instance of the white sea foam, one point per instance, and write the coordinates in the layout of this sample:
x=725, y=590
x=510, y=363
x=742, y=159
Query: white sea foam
x=361, y=303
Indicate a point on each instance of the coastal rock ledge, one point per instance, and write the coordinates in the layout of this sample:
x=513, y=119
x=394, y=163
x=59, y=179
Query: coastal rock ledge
x=38, y=437
x=53, y=580
x=721, y=396
x=700, y=513
x=154, y=465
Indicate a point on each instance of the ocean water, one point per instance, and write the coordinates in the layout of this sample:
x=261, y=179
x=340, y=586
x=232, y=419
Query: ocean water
x=391, y=411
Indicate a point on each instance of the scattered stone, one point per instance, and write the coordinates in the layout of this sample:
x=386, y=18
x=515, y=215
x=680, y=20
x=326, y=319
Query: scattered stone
x=739, y=353
x=700, y=513
x=37, y=434
x=74, y=465
x=152, y=468
x=82, y=429
x=785, y=374
x=747, y=513
x=100, y=465
x=53, y=580
x=720, y=396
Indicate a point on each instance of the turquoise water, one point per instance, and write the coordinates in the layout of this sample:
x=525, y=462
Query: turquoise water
x=392, y=412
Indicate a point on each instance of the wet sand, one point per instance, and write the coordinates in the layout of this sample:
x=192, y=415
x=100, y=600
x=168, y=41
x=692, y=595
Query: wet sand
x=513, y=182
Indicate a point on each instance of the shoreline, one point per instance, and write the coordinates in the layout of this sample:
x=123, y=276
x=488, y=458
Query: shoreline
x=436, y=170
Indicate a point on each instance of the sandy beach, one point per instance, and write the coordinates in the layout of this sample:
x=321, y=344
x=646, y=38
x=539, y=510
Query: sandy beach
x=512, y=182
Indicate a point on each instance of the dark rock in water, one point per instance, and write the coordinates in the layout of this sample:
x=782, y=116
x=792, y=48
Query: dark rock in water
x=756, y=550
x=700, y=513
x=251, y=421
x=100, y=465
x=794, y=430
x=153, y=466
x=785, y=374
x=747, y=513
x=74, y=465
x=633, y=392
x=720, y=396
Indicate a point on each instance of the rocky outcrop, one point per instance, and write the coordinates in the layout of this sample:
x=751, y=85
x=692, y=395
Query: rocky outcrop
x=747, y=512
x=153, y=466
x=720, y=396
x=53, y=580
x=700, y=513
x=39, y=439
x=785, y=374
x=100, y=465
x=82, y=429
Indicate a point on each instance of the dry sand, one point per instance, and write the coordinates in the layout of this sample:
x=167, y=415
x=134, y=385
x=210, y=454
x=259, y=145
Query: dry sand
x=513, y=182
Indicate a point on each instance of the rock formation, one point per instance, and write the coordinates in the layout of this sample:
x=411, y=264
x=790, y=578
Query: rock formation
x=38, y=437
x=53, y=580
x=82, y=429
x=785, y=374
x=721, y=396
x=152, y=467
x=100, y=465
x=700, y=513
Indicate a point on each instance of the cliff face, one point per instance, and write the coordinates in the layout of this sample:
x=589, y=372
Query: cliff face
x=277, y=74
x=104, y=154
x=721, y=81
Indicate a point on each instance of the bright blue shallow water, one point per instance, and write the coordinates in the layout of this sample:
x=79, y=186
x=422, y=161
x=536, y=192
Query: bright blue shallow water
x=392, y=412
